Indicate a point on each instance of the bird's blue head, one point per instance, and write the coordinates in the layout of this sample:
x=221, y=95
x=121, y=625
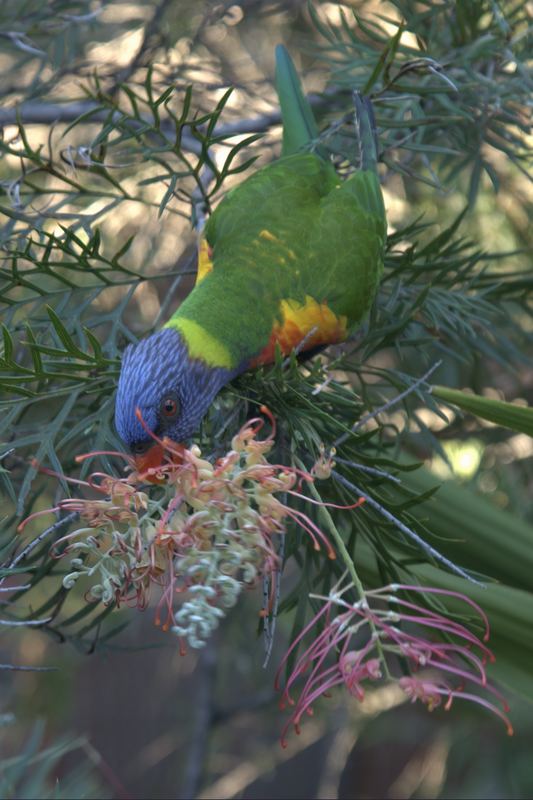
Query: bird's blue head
x=171, y=390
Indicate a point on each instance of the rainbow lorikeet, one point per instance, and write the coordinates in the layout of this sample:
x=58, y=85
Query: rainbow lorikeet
x=292, y=254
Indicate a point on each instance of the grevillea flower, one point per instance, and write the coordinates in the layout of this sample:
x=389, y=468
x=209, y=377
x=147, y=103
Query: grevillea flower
x=361, y=642
x=205, y=533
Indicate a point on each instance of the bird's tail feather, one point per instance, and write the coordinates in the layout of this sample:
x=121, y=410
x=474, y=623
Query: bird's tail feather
x=299, y=125
x=366, y=128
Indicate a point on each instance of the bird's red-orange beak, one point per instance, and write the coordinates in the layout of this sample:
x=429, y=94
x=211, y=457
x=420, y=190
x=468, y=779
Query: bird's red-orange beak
x=159, y=455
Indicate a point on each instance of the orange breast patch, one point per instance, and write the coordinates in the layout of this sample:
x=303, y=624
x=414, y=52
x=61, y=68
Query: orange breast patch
x=298, y=322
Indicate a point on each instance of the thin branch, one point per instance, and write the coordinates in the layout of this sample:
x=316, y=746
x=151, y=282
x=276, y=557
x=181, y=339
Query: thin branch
x=389, y=404
x=170, y=295
x=427, y=548
x=17, y=668
x=57, y=526
x=37, y=113
x=24, y=623
x=199, y=202
x=272, y=586
x=150, y=42
x=203, y=717
x=370, y=470
x=15, y=589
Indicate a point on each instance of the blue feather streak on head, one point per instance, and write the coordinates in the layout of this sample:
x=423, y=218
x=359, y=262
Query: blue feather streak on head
x=151, y=370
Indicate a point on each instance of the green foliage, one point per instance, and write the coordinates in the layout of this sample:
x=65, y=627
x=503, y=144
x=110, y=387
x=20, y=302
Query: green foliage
x=466, y=63
x=164, y=130
x=68, y=287
x=36, y=770
x=49, y=34
x=507, y=414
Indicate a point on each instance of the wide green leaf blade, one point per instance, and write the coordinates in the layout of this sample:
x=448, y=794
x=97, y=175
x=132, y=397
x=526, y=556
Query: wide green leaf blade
x=473, y=532
x=510, y=415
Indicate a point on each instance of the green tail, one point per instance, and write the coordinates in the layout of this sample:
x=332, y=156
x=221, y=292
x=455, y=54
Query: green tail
x=366, y=129
x=299, y=126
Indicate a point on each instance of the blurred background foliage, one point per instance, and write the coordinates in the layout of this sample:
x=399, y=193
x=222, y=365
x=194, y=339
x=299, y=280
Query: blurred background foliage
x=117, y=132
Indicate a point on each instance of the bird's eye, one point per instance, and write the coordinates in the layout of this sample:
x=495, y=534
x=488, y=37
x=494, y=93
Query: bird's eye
x=139, y=448
x=170, y=407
